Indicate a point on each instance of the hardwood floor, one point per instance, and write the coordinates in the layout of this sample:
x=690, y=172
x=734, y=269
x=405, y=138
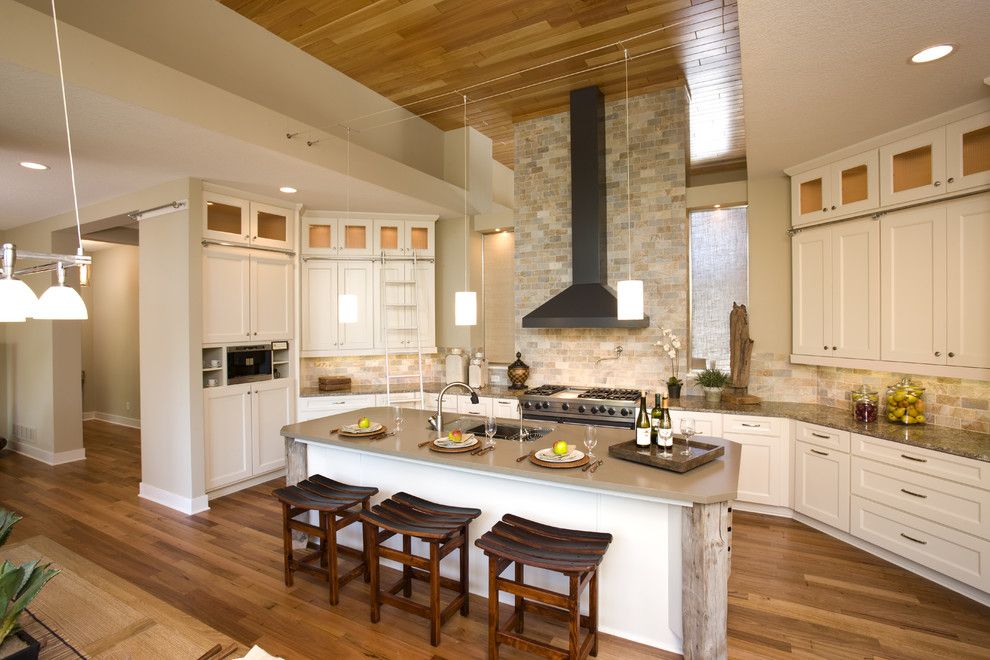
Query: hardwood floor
x=794, y=591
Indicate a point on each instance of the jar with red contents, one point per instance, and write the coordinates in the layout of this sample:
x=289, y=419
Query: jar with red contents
x=865, y=404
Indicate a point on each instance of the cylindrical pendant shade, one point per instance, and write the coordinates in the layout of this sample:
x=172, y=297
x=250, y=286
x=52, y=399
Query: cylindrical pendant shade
x=630, y=300
x=17, y=301
x=465, y=308
x=347, y=308
x=62, y=303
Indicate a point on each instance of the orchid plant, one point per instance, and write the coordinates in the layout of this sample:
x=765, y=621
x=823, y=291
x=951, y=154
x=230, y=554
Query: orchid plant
x=670, y=344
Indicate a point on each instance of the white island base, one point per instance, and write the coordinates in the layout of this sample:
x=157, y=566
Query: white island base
x=663, y=582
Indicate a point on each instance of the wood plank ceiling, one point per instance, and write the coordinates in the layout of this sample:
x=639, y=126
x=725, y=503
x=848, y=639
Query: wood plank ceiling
x=517, y=59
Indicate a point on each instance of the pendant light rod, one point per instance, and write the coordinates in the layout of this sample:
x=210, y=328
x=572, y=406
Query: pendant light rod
x=625, y=56
x=68, y=132
x=465, y=194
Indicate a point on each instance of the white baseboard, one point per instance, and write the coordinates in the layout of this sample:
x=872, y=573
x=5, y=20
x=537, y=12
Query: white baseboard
x=247, y=483
x=87, y=416
x=186, y=505
x=45, y=456
x=119, y=420
x=766, y=509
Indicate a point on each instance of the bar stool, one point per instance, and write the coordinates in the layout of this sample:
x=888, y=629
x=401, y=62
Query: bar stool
x=444, y=528
x=337, y=504
x=574, y=553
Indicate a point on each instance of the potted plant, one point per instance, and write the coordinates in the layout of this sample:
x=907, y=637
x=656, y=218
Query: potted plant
x=713, y=381
x=669, y=343
x=18, y=587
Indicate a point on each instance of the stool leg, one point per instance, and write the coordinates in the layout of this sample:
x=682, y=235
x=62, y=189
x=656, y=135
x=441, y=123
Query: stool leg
x=330, y=529
x=406, y=569
x=465, y=554
x=492, y=609
x=574, y=605
x=593, y=611
x=371, y=543
x=434, y=593
x=520, y=602
x=323, y=539
x=364, y=549
x=287, y=544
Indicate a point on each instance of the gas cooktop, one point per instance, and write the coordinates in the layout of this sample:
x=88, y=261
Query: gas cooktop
x=588, y=405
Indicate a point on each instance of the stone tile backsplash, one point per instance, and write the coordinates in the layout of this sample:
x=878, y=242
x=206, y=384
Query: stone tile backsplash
x=368, y=369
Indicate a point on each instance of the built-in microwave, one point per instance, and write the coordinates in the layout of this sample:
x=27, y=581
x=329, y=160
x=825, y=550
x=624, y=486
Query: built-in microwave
x=246, y=364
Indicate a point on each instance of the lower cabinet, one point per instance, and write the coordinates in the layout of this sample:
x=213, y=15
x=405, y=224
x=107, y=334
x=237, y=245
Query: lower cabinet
x=821, y=484
x=324, y=406
x=481, y=409
x=242, y=430
x=704, y=423
x=764, y=475
x=505, y=408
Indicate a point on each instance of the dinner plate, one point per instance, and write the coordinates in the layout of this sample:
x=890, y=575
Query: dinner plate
x=550, y=457
x=354, y=429
x=468, y=441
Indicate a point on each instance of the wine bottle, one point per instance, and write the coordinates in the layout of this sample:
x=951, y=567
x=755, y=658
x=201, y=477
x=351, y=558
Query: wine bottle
x=643, y=425
x=665, y=429
x=655, y=416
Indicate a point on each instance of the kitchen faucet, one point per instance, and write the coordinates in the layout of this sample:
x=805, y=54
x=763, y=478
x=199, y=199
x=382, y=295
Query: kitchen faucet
x=439, y=419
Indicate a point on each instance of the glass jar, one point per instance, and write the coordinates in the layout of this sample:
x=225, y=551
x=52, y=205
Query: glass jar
x=865, y=404
x=906, y=403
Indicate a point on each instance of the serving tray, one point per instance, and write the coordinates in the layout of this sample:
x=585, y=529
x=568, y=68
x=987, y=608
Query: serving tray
x=701, y=452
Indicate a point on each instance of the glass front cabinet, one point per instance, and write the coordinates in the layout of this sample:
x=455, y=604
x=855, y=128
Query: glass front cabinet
x=234, y=220
x=331, y=235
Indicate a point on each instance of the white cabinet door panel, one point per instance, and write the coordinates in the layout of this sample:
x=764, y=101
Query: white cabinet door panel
x=812, y=300
x=856, y=290
x=319, y=317
x=425, y=276
x=913, y=168
x=855, y=184
x=226, y=296
x=968, y=282
x=271, y=297
x=810, y=196
x=967, y=152
x=271, y=408
x=709, y=424
x=821, y=484
x=356, y=278
x=272, y=226
x=227, y=434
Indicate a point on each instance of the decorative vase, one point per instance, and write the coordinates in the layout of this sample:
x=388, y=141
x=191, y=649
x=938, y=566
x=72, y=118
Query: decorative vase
x=20, y=646
x=674, y=391
x=713, y=394
x=518, y=372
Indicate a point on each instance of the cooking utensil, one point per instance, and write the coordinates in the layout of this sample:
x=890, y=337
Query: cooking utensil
x=522, y=458
x=424, y=443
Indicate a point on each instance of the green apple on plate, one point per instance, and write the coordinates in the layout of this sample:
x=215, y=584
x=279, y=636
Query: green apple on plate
x=455, y=435
x=560, y=447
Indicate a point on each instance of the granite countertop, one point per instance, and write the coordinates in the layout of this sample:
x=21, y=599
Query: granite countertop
x=431, y=387
x=713, y=482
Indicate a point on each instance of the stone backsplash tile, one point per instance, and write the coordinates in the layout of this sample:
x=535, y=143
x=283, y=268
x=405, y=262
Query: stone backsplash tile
x=369, y=369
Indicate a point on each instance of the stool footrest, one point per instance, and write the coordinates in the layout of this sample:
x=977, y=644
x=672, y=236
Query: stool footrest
x=529, y=591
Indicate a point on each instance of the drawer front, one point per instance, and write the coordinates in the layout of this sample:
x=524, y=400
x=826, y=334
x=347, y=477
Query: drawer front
x=946, y=502
x=821, y=484
x=937, y=464
x=449, y=402
x=333, y=404
x=397, y=398
x=704, y=423
x=822, y=436
x=948, y=551
x=765, y=426
x=481, y=409
x=505, y=408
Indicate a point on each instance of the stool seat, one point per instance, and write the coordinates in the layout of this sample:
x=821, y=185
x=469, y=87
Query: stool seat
x=542, y=546
x=412, y=516
x=319, y=493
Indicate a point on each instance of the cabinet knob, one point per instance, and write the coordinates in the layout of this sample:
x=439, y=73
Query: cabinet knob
x=824, y=209
x=951, y=354
x=835, y=348
x=937, y=184
x=247, y=236
x=950, y=179
x=833, y=207
x=938, y=353
x=825, y=347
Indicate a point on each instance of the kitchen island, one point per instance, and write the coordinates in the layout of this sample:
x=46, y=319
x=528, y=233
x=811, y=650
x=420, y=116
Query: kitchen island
x=664, y=581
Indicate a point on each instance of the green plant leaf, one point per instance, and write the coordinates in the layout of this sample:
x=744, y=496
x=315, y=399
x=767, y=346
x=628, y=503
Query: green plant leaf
x=7, y=521
x=37, y=579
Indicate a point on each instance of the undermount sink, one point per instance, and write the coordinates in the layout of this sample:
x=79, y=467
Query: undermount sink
x=510, y=432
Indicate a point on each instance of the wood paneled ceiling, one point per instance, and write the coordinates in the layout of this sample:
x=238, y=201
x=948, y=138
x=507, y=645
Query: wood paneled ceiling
x=517, y=59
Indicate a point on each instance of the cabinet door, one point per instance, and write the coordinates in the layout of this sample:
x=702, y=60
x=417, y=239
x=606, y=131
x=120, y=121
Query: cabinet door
x=419, y=237
x=319, y=235
x=356, y=278
x=856, y=290
x=821, y=484
x=226, y=218
x=271, y=409
x=389, y=237
x=912, y=285
x=968, y=282
x=810, y=196
x=393, y=304
x=271, y=297
x=481, y=409
x=709, y=424
x=355, y=237
x=226, y=296
x=761, y=468
x=507, y=408
x=913, y=168
x=811, y=261
x=967, y=152
x=319, y=308
x=424, y=274
x=227, y=434
x=272, y=226
x=855, y=184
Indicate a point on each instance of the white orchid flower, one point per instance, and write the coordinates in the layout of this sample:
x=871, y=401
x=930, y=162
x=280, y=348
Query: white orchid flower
x=676, y=343
x=672, y=354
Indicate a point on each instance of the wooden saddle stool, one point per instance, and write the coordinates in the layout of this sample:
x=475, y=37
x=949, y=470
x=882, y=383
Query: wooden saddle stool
x=574, y=553
x=338, y=505
x=444, y=529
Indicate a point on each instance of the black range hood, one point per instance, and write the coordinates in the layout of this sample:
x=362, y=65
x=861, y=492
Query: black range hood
x=588, y=302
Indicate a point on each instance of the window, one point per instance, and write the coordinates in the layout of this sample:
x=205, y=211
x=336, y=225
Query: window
x=719, y=267
x=500, y=338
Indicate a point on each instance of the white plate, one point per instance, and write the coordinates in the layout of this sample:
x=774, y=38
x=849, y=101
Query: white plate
x=354, y=428
x=469, y=441
x=550, y=457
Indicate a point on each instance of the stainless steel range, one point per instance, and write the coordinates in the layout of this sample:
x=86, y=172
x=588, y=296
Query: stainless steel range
x=598, y=406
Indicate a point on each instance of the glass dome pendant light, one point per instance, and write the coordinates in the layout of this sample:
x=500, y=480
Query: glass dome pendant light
x=17, y=300
x=466, y=302
x=630, y=291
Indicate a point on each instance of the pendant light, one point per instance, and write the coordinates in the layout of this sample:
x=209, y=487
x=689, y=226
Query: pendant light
x=17, y=300
x=630, y=291
x=347, y=303
x=465, y=302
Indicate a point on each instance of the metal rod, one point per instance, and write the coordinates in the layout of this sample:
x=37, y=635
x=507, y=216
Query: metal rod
x=371, y=259
x=135, y=215
x=69, y=259
x=206, y=242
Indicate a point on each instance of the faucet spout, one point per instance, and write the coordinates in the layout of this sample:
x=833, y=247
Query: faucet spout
x=474, y=399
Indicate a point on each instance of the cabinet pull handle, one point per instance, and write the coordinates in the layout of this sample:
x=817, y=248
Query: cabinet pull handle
x=938, y=353
x=833, y=207
x=835, y=348
x=936, y=184
x=950, y=179
x=951, y=354
x=924, y=497
x=821, y=435
x=820, y=453
x=911, y=538
x=825, y=347
x=752, y=426
x=912, y=458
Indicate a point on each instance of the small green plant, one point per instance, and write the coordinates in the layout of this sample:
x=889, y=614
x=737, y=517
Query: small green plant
x=712, y=377
x=18, y=584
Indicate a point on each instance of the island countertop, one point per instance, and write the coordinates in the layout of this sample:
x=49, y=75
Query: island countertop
x=710, y=483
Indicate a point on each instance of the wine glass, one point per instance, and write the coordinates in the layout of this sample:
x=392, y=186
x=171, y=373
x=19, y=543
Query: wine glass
x=590, y=439
x=664, y=435
x=490, y=428
x=687, y=428
x=397, y=422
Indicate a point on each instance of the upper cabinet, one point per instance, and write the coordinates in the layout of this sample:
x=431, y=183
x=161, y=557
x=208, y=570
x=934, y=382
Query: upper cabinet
x=967, y=144
x=842, y=188
x=244, y=222
x=913, y=168
x=405, y=237
x=247, y=295
x=330, y=235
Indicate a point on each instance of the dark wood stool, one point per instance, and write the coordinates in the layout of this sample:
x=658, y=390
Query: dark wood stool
x=574, y=553
x=444, y=528
x=338, y=505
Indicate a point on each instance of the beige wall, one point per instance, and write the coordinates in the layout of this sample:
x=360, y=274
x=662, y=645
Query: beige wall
x=111, y=354
x=770, y=264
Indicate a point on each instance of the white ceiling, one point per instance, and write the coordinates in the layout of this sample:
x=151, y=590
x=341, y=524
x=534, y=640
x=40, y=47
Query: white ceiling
x=822, y=75
x=120, y=148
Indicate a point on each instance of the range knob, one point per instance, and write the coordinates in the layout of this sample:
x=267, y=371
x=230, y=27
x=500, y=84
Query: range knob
x=565, y=406
x=581, y=409
x=623, y=412
x=594, y=410
x=611, y=411
x=527, y=405
x=545, y=405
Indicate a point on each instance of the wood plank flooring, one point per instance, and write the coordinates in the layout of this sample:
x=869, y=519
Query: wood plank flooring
x=794, y=592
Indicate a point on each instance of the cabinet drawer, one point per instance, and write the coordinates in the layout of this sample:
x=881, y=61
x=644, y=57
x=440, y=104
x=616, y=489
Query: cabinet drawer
x=482, y=409
x=822, y=436
x=937, y=464
x=949, y=503
x=507, y=408
x=948, y=551
x=333, y=404
x=769, y=426
x=398, y=398
x=704, y=423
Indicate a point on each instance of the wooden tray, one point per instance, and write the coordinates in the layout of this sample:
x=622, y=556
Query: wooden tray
x=701, y=452
x=456, y=450
x=547, y=464
x=368, y=436
x=334, y=383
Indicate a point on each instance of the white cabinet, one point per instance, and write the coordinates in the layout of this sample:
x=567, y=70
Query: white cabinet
x=811, y=263
x=968, y=282
x=404, y=237
x=242, y=430
x=324, y=406
x=505, y=408
x=821, y=484
x=842, y=188
x=322, y=284
x=330, y=234
x=913, y=168
x=709, y=424
x=406, y=295
x=246, y=295
x=272, y=226
x=235, y=220
x=764, y=465
x=481, y=409
x=967, y=153
x=810, y=196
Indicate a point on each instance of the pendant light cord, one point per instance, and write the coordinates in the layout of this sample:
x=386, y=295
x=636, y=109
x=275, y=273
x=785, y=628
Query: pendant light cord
x=465, y=194
x=68, y=133
x=625, y=56
x=347, y=184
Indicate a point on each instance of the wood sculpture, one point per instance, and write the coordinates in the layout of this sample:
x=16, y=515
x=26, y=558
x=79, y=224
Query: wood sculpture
x=740, y=356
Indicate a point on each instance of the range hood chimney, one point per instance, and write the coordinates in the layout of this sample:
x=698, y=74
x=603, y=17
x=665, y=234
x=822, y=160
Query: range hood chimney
x=588, y=302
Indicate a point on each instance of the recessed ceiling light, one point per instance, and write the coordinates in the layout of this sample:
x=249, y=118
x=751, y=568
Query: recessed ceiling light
x=33, y=166
x=287, y=189
x=932, y=53
x=718, y=206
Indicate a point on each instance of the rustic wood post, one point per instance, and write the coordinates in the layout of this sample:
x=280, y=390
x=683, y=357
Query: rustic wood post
x=296, y=469
x=705, y=574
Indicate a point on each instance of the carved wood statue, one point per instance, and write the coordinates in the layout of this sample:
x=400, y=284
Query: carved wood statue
x=740, y=355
